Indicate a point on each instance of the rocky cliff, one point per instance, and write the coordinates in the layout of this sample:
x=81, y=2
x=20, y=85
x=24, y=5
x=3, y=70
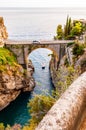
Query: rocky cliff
x=67, y=71
x=13, y=78
x=13, y=81
x=3, y=31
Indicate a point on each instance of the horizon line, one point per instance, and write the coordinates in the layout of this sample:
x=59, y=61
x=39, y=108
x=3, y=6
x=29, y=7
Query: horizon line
x=39, y=7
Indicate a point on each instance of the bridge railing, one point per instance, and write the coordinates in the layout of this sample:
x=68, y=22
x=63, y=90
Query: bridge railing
x=44, y=42
x=68, y=111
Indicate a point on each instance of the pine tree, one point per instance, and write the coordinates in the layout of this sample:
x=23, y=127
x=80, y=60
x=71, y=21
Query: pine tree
x=68, y=27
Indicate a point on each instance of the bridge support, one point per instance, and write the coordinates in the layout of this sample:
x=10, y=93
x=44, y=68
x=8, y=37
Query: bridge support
x=20, y=53
x=60, y=54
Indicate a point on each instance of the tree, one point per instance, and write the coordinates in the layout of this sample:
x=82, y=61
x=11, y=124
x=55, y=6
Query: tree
x=76, y=29
x=68, y=27
x=78, y=49
x=39, y=106
x=59, y=32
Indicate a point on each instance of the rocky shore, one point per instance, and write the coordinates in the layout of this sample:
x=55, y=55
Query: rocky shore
x=13, y=82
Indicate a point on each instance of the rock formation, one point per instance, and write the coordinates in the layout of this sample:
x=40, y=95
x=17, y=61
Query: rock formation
x=13, y=82
x=13, y=78
x=3, y=31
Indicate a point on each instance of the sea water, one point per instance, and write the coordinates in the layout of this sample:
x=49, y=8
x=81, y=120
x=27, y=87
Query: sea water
x=34, y=24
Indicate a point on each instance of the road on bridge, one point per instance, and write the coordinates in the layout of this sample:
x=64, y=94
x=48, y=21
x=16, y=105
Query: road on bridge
x=39, y=42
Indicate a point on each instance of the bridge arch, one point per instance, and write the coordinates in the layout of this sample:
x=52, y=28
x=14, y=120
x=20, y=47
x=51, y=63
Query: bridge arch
x=32, y=48
x=45, y=47
x=51, y=53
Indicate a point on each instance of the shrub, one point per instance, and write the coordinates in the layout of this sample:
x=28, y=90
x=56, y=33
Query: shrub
x=2, y=127
x=66, y=63
x=59, y=33
x=59, y=37
x=7, y=58
x=70, y=43
x=78, y=49
x=77, y=29
x=70, y=37
x=39, y=106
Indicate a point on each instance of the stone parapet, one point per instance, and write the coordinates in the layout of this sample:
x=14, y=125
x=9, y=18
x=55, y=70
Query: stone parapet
x=67, y=112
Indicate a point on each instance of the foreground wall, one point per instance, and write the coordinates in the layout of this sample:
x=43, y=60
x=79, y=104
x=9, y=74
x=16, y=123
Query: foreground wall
x=69, y=110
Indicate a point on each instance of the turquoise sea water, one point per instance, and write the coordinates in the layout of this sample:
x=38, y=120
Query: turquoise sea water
x=17, y=111
x=34, y=24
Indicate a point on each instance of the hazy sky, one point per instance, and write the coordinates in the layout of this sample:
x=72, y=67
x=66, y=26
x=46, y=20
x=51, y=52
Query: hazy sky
x=42, y=3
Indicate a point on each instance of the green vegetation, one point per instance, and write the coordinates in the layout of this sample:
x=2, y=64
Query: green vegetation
x=39, y=106
x=67, y=28
x=72, y=29
x=78, y=49
x=76, y=29
x=70, y=43
x=8, y=63
x=6, y=58
x=2, y=127
x=66, y=62
x=66, y=74
x=59, y=33
x=64, y=77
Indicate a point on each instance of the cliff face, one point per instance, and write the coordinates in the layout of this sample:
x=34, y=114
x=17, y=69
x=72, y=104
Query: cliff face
x=3, y=31
x=13, y=82
x=67, y=71
x=13, y=79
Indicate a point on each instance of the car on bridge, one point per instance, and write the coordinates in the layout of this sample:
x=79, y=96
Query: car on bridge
x=36, y=42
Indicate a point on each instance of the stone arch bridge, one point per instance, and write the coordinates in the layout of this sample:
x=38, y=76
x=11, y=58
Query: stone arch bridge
x=22, y=49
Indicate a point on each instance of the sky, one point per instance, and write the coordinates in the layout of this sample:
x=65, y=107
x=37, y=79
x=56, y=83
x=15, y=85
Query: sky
x=42, y=3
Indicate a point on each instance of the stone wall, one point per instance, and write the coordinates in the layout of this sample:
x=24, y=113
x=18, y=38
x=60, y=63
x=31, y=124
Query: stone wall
x=68, y=111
